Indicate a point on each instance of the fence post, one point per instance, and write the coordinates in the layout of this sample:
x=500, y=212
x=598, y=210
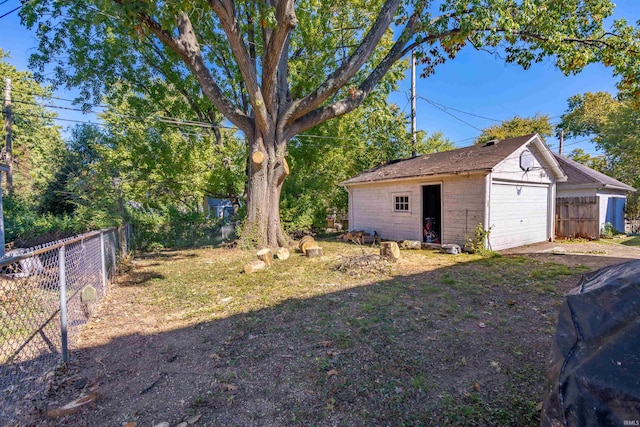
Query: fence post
x=113, y=243
x=63, y=302
x=103, y=264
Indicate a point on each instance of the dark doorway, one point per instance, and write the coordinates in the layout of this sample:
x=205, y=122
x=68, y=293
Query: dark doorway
x=431, y=214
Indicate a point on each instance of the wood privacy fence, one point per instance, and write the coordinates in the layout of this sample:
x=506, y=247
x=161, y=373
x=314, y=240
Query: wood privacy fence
x=577, y=217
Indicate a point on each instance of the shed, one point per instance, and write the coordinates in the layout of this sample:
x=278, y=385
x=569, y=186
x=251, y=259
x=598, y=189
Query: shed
x=507, y=186
x=588, y=200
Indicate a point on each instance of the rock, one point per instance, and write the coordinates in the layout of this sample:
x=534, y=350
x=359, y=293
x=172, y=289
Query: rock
x=452, y=249
x=411, y=244
x=162, y=424
x=183, y=424
x=192, y=420
x=73, y=406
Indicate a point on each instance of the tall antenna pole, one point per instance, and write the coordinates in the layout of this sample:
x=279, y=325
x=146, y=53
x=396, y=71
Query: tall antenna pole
x=561, y=141
x=414, y=140
x=8, y=121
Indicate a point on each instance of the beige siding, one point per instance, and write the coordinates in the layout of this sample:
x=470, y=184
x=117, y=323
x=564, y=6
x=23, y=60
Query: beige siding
x=462, y=207
x=371, y=208
x=509, y=169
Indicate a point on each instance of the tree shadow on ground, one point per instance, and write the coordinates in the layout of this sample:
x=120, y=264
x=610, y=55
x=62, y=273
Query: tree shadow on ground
x=460, y=345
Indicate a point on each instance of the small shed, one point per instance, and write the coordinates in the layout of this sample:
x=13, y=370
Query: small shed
x=588, y=200
x=507, y=186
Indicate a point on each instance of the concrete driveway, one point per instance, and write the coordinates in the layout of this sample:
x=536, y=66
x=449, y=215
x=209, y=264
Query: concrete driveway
x=593, y=254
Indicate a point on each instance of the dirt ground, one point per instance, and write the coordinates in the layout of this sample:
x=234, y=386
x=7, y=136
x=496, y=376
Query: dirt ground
x=439, y=342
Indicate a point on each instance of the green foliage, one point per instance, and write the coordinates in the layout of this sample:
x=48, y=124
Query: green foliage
x=248, y=236
x=171, y=228
x=477, y=244
x=607, y=231
x=598, y=163
x=23, y=222
x=136, y=53
x=38, y=148
x=517, y=126
x=613, y=125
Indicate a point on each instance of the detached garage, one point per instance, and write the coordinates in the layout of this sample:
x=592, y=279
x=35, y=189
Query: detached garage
x=507, y=186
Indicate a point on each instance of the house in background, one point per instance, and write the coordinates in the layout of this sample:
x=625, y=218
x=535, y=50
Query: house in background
x=219, y=208
x=507, y=186
x=588, y=200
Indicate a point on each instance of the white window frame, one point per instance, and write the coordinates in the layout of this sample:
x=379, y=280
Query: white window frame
x=394, y=200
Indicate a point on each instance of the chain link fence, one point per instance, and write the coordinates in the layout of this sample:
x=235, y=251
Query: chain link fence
x=47, y=294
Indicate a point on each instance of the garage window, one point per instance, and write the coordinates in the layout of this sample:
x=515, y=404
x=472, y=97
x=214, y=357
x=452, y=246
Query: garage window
x=401, y=203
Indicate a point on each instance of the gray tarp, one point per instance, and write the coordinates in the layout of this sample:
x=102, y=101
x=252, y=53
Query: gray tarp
x=594, y=378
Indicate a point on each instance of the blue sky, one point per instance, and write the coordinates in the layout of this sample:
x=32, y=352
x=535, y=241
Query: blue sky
x=475, y=82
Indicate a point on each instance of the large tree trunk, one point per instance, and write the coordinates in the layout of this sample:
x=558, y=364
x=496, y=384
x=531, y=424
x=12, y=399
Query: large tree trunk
x=266, y=176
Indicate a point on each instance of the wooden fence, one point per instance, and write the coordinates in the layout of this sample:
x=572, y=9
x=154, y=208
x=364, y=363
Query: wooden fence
x=577, y=217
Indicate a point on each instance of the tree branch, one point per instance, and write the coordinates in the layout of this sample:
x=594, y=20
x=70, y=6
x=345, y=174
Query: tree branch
x=226, y=13
x=358, y=96
x=350, y=67
x=187, y=47
x=286, y=19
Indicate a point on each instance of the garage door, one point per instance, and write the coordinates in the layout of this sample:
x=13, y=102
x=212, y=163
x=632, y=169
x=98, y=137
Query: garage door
x=518, y=215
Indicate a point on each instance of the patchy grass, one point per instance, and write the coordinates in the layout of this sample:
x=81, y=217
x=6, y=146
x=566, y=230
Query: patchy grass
x=440, y=340
x=631, y=241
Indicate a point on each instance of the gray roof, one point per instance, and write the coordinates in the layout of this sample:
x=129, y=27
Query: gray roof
x=581, y=175
x=476, y=158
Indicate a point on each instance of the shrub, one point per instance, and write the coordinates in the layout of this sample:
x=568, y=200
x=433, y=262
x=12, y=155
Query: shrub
x=477, y=243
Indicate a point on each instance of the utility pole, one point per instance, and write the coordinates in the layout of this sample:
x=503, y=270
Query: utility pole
x=8, y=121
x=414, y=140
x=561, y=141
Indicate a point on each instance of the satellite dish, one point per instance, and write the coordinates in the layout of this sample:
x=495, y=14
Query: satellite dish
x=527, y=161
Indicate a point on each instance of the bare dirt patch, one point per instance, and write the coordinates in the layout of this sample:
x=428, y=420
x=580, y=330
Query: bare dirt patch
x=440, y=340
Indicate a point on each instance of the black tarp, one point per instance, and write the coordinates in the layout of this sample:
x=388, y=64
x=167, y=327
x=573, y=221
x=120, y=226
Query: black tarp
x=594, y=377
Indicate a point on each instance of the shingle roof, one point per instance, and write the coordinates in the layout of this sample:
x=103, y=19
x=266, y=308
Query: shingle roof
x=475, y=158
x=579, y=174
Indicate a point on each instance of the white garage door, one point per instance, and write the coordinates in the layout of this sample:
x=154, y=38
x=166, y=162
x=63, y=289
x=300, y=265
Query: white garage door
x=518, y=215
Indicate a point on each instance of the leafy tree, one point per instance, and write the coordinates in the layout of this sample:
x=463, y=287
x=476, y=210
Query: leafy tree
x=517, y=126
x=434, y=143
x=255, y=62
x=613, y=125
x=38, y=148
x=598, y=163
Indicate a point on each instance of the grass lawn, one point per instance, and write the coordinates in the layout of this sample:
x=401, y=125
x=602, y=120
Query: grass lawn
x=434, y=339
x=631, y=241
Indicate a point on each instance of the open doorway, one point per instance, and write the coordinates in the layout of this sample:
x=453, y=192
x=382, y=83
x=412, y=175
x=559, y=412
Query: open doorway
x=431, y=214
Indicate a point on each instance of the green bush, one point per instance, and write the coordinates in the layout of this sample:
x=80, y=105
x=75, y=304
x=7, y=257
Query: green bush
x=608, y=231
x=477, y=244
x=22, y=222
x=171, y=228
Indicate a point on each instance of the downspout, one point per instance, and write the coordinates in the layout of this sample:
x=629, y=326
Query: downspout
x=551, y=221
x=350, y=207
x=487, y=207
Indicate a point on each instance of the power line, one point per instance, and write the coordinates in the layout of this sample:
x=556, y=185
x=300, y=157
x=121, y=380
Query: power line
x=11, y=11
x=436, y=104
x=15, y=9
x=26, y=92
x=163, y=119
